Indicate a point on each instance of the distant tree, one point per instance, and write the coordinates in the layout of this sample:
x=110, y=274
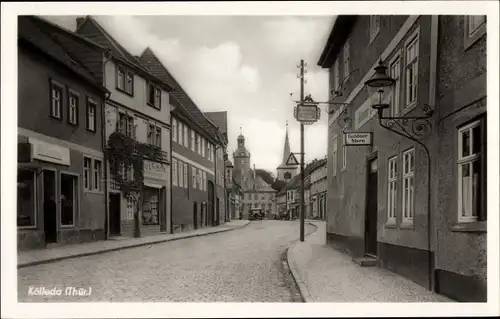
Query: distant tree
x=265, y=175
x=278, y=185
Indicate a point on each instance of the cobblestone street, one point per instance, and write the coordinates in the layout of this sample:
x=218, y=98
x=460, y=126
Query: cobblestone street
x=237, y=266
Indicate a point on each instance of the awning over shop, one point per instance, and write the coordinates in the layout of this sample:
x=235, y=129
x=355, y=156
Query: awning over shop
x=152, y=185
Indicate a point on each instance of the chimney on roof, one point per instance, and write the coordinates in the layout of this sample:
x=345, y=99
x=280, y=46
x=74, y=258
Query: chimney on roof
x=79, y=22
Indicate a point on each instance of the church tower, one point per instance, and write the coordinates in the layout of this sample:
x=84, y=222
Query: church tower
x=241, y=158
x=286, y=172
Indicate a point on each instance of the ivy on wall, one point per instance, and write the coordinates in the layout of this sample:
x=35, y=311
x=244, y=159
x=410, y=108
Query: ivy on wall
x=125, y=154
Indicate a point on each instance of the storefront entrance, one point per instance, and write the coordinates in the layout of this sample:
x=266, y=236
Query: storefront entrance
x=114, y=214
x=49, y=206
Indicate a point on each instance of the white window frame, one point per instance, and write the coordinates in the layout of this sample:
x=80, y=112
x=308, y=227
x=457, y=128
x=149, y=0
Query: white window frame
x=91, y=117
x=120, y=77
x=157, y=97
x=56, y=100
x=344, y=153
x=130, y=207
x=73, y=107
x=471, y=29
x=198, y=142
x=334, y=155
x=129, y=83
x=87, y=171
x=408, y=205
x=186, y=176
x=193, y=176
x=414, y=64
x=471, y=34
x=374, y=27
x=347, y=58
x=392, y=189
x=174, y=172
x=150, y=138
x=180, y=173
x=203, y=143
x=97, y=178
x=469, y=160
x=193, y=141
x=158, y=136
x=395, y=73
x=204, y=181
x=174, y=130
x=180, y=138
x=186, y=136
x=199, y=179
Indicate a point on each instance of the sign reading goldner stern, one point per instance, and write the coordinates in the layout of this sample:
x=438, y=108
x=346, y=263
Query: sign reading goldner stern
x=355, y=139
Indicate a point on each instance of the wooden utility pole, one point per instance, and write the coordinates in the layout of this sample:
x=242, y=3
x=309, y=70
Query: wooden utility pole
x=302, y=204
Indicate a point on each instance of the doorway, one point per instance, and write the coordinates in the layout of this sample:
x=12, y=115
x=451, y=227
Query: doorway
x=114, y=214
x=210, y=209
x=371, y=209
x=49, y=206
x=217, y=216
x=195, y=215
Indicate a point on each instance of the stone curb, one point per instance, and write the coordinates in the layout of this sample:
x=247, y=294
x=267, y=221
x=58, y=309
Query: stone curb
x=106, y=250
x=303, y=290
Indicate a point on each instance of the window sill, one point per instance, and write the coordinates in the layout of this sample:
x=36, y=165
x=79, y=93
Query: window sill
x=472, y=227
x=55, y=118
x=91, y=131
x=90, y=191
x=407, y=225
x=125, y=92
x=154, y=106
x=67, y=226
x=391, y=225
x=27, y=227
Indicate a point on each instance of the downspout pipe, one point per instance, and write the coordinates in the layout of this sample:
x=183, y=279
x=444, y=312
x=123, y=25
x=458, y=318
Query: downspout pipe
x=107, y=57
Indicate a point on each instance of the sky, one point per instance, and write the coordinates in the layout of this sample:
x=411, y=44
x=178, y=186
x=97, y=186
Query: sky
x=245, y=65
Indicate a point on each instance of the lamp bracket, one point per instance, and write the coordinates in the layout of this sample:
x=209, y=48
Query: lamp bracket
x=414, y=127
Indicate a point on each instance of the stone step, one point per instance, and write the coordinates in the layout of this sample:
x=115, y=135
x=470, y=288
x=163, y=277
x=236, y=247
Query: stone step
x=366, y=261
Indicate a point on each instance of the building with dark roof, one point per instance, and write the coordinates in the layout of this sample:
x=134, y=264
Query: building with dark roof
x=61, y=173
x=138, y=108
x=199, y=190
x=413, y=199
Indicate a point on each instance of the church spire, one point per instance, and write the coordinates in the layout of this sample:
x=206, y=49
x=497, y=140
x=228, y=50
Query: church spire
x=286, y=149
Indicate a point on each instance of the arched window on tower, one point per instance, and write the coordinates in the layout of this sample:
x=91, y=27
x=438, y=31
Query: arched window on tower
x=288, y=175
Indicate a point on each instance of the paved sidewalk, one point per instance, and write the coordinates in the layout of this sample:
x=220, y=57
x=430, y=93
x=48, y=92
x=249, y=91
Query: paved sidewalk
x=323, y=274
x=36, y=257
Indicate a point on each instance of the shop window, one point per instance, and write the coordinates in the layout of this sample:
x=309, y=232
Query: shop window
x=150, y=214
x=26, y=198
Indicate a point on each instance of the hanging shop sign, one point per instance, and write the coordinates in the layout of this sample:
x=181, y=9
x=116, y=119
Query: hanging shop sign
x=307, y=112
